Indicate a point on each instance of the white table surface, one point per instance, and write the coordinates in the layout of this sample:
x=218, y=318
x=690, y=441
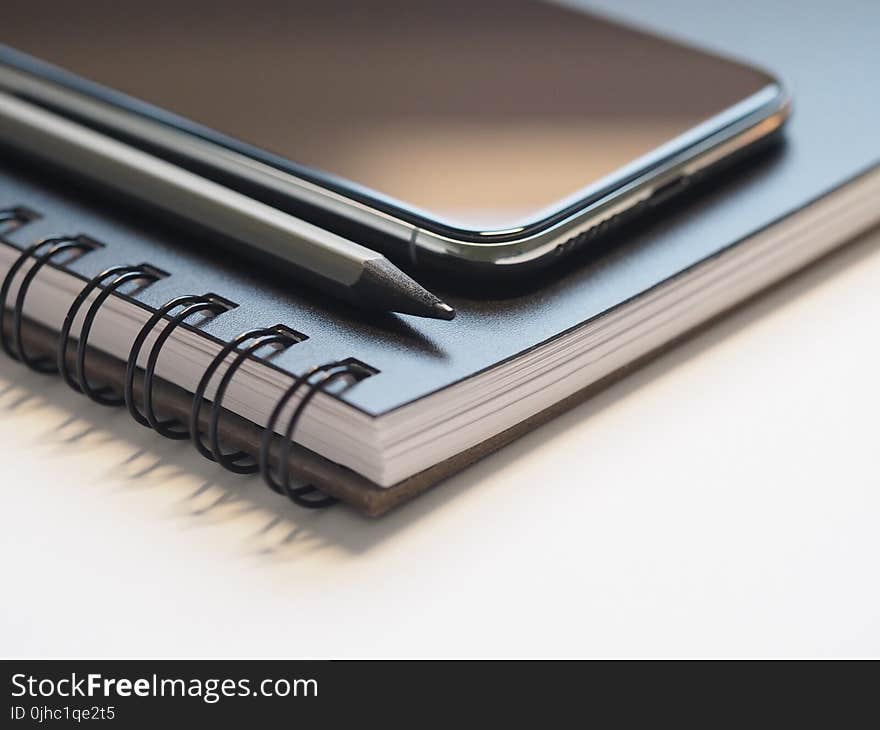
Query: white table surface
x=724, y=500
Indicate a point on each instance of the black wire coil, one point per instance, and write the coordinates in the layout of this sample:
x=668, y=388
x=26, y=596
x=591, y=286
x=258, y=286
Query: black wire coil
x=15, y=216
x=170, y=427
x=306, y=496
x=245, y=346
x=42, y=252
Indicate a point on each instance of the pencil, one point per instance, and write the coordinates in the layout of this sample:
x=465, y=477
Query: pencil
x=309, y=253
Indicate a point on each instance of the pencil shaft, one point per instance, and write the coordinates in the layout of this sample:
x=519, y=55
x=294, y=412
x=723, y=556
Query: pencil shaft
x=328, y=261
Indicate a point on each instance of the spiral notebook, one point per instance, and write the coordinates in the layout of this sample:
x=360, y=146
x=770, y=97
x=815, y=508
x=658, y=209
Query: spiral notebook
x=330, y=403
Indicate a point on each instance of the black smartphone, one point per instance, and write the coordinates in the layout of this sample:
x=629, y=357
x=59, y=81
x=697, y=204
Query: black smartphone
x=490, y=135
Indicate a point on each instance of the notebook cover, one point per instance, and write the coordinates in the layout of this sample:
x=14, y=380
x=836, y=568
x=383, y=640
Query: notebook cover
x=829, y=57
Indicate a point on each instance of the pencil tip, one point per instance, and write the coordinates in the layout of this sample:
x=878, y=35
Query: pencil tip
x=444, y=311
x=383, y=286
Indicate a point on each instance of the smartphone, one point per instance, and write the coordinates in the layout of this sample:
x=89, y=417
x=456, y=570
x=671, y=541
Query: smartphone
x=484, y=136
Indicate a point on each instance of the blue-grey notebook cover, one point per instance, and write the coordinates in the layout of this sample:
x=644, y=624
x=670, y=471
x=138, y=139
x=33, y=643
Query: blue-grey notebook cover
x=829, y=55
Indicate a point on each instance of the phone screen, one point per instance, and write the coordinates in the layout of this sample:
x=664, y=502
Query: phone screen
x=476, y=114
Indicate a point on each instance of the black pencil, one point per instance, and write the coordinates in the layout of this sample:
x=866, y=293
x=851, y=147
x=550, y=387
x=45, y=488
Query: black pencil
x=320, y=258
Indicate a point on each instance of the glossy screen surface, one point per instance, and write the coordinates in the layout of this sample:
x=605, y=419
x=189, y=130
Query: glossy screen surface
x=480, y=115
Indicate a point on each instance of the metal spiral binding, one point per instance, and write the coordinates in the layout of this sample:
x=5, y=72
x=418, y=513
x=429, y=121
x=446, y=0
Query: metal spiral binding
x=55, y=245
x=244, y=346
x=238, y=462
x=241, y=462
x=8, y=214
x=171, y=428
x=17, y=216
x=304, y=496
x=117, y=276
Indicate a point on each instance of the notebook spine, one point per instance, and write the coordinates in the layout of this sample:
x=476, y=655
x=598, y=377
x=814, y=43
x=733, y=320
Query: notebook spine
x=70, y=359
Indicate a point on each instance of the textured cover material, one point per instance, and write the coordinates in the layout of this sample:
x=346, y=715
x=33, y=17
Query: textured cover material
x=828, y=55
